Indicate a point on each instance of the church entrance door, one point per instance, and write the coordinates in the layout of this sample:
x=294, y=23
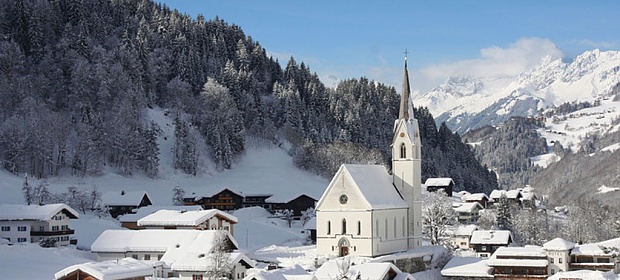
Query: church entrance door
x=343, y=244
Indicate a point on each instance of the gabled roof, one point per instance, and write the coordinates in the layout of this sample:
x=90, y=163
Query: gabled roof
x=154, y=240
x=438, y=182
x=411, y=126
x=374, y=184
x=465, y=230
x=113, y=269
x=184, y=218
x=124, y=198
x=287, y=199
x=475, y=196
x=20, y=212
x=142, y=212
x=466, y=207
x=596, y=249
x=496, y=194
x=214, y=192
x=499, y=237
x=559, y=244
x=369, y=270
x=467, y=267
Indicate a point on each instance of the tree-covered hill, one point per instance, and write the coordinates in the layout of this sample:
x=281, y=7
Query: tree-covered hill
x=78, y=75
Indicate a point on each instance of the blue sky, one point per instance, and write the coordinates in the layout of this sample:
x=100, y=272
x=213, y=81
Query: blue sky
x=350, y=39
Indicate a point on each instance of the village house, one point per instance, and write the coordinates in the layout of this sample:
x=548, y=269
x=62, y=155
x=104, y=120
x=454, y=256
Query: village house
x=123, y=202
x=481, y=198
x=35, y=223
x=364, y=210
x=462, y=235
x=529, y=262
x=435, y=184
x=467, y=212
x=227, y=200
x=130, y=220
x=602, y=256
x=121, y=269
x=184, y=252
x=295, y=272
x=558, y=253
x=212, y=219
x=486, y=242
x=369, y=270
x=513, y=196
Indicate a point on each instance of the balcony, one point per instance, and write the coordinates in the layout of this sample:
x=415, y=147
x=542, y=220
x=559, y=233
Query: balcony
x=52, y=233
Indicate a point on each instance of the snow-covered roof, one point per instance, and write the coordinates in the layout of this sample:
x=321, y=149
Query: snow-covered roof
x=12, y=212
x=584, y=274
x=559, y=244
x=194, y=259
x=596, y=249
x=527, y=251
x=142, y=212
x=113, y=269
x=465, y=230
x=527, y=195
x=438, y=182
x=124, y=198
x=513, y=194
x=370, y=270
x=466, y=207
x=184, y=218
x=374, y=183
x=295, y=272
x=467, y=267
x=286, y=198
x=215, y=191
x=153, y=240
x=474, y=197
x=490, y=237
x=528, y=256
x=496, y=194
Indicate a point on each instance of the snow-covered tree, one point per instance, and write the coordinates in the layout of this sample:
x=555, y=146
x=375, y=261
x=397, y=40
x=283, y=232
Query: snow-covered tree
x=307, y=215
x=531, y=227
x=503, y=214
x=617, y=227
x=219, y=258
x=287, y=215
x=437, y=214
x=42, y=194
x=177, y=195
x=27, y=191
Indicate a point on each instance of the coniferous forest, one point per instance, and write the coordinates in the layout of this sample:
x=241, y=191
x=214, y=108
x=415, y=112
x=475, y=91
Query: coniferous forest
x=77, y=77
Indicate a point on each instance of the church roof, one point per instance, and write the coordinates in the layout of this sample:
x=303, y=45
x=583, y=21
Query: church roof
x=374, y=184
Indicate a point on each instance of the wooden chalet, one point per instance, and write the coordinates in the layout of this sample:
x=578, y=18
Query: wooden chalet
x=434, y=184
x=124, y=202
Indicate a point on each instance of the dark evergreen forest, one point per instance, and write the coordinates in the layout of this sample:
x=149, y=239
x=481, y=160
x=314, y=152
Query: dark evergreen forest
x=77, y=77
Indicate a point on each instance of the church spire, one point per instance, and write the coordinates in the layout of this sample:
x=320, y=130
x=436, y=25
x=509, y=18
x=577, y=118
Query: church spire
x=404, y=97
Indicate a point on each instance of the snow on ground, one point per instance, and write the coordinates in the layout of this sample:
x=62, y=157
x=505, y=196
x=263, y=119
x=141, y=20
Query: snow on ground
x=30, y=261
x=257, y=228
x=88, y=227
x=606, y=189
x=544, y=160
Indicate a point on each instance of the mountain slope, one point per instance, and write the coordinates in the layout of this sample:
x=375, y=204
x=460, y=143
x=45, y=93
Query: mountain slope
x=466, y=103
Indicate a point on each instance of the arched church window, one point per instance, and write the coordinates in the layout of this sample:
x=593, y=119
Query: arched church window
x=403, y=150
x=359, y=228
x=329, y=227
x=344, y=226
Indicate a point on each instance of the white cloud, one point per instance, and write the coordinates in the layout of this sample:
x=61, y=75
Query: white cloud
x=494, y=61
x=599, y=44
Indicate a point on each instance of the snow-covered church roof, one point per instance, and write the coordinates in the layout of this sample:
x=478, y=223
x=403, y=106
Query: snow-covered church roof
x=12, y=212
x=374, y=183
x=183, y=218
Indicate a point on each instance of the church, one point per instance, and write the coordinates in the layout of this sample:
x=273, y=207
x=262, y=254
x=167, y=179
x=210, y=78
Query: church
x=367, y=212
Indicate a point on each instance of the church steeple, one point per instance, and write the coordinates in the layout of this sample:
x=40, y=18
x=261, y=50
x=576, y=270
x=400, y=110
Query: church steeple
x=404, y=97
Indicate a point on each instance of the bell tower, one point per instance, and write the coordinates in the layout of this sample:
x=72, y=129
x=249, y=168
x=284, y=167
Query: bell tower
x=407, y=161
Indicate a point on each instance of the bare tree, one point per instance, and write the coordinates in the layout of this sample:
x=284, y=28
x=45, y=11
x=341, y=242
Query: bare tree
x=219, y=258
x=177, y=195
x=437, y=214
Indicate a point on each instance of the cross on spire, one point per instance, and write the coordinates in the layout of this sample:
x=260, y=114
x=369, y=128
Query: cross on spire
x=406, y=52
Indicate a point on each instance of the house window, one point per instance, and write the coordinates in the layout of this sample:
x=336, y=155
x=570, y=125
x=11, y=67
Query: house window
x=134, y=256
x=551, y=260
x=329, y=227
x=359, y=228
x=55, y=228
x=21, y=239
x=196, y=277
x=21, y=228
x=6, y=228
x=463, y=243
x=483, y=248
x=552, y=271
x=403, y=150
x=41, y=228
x=64, y=227
x=560, y=260
x=147, y=257
x=344, y=226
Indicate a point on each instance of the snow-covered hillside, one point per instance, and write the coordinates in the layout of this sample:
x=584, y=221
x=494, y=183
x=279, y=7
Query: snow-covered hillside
x=470, y=102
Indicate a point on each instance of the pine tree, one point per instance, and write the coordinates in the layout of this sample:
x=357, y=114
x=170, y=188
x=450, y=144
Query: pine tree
x=504, y=213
